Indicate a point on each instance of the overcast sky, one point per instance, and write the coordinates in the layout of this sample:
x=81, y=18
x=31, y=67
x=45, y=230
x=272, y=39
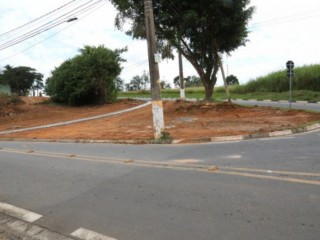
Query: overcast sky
x=280, y=31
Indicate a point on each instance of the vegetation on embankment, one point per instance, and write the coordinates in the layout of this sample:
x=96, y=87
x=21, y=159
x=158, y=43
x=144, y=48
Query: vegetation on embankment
x=274, y=86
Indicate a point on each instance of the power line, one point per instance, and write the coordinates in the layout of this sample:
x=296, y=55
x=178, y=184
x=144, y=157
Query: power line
x=65, y=17
x=286, y=19
x=51, y=36
x=51, y=24
x=24, y=29
x=135, y=66
x=34, y=20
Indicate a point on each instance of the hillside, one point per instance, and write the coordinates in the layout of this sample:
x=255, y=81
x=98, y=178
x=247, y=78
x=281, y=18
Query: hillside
x=185, y=121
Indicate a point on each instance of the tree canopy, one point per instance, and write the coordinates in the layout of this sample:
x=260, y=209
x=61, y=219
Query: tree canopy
x=190, y=81
x=139, y=82
x=21, y=79
x=232, y=80
x=200, y=30
x=88, y=78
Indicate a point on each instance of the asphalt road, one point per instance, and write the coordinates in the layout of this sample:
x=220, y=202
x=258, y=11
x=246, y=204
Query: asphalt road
x=282, y=104
x=253, y=189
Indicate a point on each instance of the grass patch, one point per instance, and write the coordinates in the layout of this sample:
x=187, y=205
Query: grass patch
x=297, y=95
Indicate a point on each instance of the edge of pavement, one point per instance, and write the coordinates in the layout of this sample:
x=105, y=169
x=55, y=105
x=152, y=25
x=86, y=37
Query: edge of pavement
x=286, y=101
x=235, y=99
x=14, y=228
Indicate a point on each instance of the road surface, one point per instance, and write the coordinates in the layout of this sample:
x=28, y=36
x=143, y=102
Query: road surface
x=253, y=189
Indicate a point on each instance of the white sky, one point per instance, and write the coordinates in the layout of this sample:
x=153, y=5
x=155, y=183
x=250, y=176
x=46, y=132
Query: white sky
x=280, y=31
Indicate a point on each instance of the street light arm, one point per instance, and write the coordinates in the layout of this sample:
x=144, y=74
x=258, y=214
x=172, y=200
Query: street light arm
x=72, y=19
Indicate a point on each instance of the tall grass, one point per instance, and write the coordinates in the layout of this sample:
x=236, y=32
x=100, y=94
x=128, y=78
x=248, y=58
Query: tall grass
x=275, y=86
x=305, y=78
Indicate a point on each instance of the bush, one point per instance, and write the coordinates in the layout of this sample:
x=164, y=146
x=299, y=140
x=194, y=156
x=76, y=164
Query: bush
x=88, y=78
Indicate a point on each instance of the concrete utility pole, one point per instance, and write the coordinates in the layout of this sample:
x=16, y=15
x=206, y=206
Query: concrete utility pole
x=224, y=77
x=182, y=92
x=157, y=107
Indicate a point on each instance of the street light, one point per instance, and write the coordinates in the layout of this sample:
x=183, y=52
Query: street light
x=72, y=19
x=32, y=33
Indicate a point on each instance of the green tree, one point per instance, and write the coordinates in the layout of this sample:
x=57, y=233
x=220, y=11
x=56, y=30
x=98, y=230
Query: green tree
x=88, y=78
x=165, y=85
x=21, y=79
x=36, y=86
x=119, y=84
x=139, y=82
x=190, y=81
x=200, y=30
x=232, y=80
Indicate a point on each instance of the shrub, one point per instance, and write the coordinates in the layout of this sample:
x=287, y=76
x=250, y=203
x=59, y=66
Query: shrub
x=88, y=78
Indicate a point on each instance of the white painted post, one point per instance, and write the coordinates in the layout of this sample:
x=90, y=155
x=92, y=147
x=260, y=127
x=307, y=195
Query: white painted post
x=158, y=119
x=182, y=93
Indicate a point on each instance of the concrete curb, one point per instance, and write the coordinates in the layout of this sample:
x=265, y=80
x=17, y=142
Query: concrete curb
x=27, y=231
x=282, y=133
x=281, y=101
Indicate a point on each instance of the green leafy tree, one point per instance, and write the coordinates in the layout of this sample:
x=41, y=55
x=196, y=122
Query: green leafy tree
x=88, y=78
x=119, y=84
x=21, y=79
x=139, y=82
x=190, y=81
x=176, y=81
x=36, y=86
x=2, y=80
x=232, y=80
x=165, y=85
x=200, y=30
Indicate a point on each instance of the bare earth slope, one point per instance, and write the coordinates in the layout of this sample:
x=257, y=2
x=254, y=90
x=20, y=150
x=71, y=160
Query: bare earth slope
x=183, y=120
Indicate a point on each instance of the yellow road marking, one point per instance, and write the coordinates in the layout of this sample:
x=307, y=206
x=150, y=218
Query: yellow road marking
x=284, y=179
x=272, y=171
x=202, y=168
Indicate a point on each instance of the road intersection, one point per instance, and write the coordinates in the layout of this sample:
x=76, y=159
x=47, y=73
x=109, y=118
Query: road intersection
x=267, y=188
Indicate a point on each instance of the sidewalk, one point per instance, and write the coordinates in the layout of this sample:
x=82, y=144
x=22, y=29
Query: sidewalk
x=12, y=228
x=8, y=236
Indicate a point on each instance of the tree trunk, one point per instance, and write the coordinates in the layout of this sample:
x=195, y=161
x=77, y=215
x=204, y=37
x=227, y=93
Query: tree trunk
x=209, y=83
x=208, y=93
x=208, y=78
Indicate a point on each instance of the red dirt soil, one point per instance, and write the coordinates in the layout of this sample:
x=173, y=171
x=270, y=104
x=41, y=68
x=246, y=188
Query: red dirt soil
x=183, y=120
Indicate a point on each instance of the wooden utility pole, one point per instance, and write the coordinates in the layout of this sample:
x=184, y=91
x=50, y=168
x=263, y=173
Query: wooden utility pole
x=157, y=107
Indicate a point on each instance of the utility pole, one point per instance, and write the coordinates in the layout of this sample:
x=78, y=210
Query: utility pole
x=182, y=92
x=157, y=107
x=224, y=77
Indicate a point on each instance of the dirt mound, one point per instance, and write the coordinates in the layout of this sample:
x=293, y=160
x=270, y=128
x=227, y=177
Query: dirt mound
x=7, y=105
x=34, y=100
x=36, y=111
x=12, y=106
x=183, y=120
x=202, y=107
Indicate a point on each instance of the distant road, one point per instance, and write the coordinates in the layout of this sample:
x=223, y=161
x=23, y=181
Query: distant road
x=281, y=104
